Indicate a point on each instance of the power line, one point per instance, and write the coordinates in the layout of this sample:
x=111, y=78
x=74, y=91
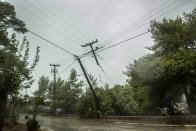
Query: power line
x=136, y=35
x=175, y=7
x=106, y=76
x=67, y=67
x=121, y=42
x=59, y=17
x=90, y=44
x=82, y=67
x=55, y=21
x=148, y=15
x=56, y=28
x=63, y=61
x=110, y=66
x=134, y=25
x=52, y=43
x=59, y=22
x=38, y=18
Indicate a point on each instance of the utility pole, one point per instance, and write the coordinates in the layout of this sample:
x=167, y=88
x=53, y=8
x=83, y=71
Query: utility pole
x=54, y=71
x=97, y=104
x=92, y=49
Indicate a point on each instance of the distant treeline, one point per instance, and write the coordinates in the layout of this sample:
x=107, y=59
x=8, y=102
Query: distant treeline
x=162, y=82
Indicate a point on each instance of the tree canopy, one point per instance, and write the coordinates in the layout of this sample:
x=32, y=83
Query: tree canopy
x=15, y=69
x=170, y=71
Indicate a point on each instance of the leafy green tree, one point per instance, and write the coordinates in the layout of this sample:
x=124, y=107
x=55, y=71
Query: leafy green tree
x=169, y=72
x=69, y=92
x=41, y=95
x=86, y=105
x=147, y=78
x=8, y=18
x=175, y=43
x=43, y=84
x=15, y=70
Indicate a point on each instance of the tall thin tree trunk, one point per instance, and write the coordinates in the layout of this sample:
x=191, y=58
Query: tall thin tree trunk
x=2, y=113
x=1, y=119
x=190, y=94
x=3, y=101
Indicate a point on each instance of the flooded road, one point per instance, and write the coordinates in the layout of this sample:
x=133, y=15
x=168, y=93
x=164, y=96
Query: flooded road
x=74, y=124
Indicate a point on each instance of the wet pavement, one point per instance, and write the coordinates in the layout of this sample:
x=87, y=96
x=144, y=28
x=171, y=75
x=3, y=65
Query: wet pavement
x=74, y=124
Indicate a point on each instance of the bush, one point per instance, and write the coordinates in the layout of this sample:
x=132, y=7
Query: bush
x=31, y=123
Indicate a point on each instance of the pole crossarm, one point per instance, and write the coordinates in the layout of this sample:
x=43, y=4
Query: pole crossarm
x=90, y=52
x=90, y=43
x=113, y=45
x=93, y=50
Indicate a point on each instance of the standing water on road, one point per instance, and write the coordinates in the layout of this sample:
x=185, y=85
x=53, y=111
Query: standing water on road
x=75, y=124
x=130, y=62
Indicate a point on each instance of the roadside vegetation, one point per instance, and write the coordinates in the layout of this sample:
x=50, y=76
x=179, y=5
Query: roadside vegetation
x=15, y=68
x=161, y=82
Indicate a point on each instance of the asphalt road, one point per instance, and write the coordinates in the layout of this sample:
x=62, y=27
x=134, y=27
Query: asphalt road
x=74, y=124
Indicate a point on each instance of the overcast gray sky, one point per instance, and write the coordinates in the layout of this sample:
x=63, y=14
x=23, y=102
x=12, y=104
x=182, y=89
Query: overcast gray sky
x=71, y=23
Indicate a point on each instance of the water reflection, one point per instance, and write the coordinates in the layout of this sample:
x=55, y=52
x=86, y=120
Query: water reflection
x=73, y=124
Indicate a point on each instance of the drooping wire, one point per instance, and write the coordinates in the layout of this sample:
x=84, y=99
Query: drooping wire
x=51, y=43
x=142, y=19
x=38, y=18
x=66, y=68
x=70, y=34
x=142, y=25
x=105, y=74
x=113, y=45
x=110, y=66
x=57, y=16
x=121, y=42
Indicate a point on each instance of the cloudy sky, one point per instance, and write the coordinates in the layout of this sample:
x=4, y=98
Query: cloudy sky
x=71, y=23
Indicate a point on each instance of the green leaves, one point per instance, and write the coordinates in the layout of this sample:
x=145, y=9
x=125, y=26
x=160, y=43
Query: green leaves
x=68, y=92
x=180, y=62
x=169, y=72
x=15, y=72
x=8, y=19
x=14, y=65
x=173, y=35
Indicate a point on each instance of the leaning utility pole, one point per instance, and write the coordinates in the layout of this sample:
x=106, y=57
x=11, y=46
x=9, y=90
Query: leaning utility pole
x=92, y=49
x=54, y=71
x=97, y=104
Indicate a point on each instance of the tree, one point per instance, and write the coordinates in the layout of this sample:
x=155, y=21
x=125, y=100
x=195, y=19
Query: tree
x=68, y=93
x=8, y=19
x=175, y=43
x=170, y=71
x=87, y=106
x=15, y=71
x=41, y=95
x=74, y=90
x=147, y=78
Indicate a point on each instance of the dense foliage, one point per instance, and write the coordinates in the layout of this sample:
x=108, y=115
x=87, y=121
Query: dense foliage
x=72, y=98
x=161, y=81
x=15, y=70
x=169, y=72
